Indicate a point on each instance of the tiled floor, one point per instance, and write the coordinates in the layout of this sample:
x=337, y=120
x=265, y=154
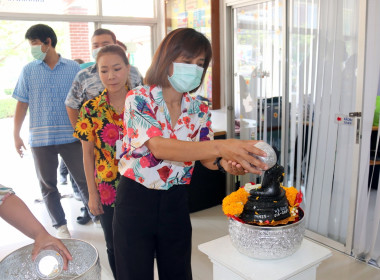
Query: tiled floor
x=207, y=225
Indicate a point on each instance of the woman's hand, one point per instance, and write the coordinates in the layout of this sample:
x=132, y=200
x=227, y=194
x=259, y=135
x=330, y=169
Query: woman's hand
x=233, y=168
x=95, y=204
x=45, y=241
x=242, y=152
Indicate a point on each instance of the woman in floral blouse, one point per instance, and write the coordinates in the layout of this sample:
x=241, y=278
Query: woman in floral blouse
x=166, y=130
x=100, y=127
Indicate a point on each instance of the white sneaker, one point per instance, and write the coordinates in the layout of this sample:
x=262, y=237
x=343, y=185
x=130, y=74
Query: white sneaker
x=97, y=224
x=63, y=232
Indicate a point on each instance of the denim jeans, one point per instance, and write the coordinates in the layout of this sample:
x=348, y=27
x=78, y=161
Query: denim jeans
x=46, y=164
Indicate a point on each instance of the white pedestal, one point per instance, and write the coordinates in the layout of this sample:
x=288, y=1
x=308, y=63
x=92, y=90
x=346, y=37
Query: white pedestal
x=230, y=264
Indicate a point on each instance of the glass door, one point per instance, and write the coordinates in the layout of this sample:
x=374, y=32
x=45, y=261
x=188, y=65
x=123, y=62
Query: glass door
x=257, y=74
x=295, y=86
x=322, y=132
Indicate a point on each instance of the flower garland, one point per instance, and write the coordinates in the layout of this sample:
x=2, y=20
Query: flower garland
x=233, y=204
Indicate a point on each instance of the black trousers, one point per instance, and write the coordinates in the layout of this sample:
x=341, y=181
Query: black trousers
x=148, y=221
x=106, y=222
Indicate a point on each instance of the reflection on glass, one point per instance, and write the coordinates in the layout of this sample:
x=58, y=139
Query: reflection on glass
x=197, y=15
x=60, y=7
x=73, y=42
x=129, y=8
x=138, y=42
x=49, y=264
x=323, y=42
x=257, y=74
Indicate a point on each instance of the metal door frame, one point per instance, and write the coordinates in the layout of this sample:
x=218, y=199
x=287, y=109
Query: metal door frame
x=227, y=20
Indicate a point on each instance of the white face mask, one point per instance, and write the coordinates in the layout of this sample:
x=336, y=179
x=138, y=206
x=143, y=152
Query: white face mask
x=95, y=53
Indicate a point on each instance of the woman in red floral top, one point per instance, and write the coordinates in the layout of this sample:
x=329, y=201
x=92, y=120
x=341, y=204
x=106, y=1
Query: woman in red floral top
x=100, y=127
x=165, y=131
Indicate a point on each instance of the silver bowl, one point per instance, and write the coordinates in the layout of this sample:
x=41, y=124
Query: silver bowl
x=85, y=265
x=265, y=242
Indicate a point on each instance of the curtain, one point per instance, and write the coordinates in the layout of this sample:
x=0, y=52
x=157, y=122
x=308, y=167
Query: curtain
x=321, y=93
x=366, y=235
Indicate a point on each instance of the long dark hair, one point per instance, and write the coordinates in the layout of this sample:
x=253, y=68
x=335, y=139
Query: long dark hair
x=185, y=42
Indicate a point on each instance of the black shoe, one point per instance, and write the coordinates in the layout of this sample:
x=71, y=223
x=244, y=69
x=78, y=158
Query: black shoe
x=82, y=220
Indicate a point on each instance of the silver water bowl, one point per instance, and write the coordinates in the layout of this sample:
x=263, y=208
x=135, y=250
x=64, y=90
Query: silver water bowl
x=85, y=264
x=265, y=242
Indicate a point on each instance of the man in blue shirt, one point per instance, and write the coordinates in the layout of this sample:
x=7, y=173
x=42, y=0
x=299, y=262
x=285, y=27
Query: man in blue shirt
x=42, y=87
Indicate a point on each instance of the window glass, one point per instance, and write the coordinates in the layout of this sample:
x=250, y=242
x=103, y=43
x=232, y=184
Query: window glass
x=138, y=42
x=128, y=8
x=197, y=15
x=73, y=41
x=61, y=7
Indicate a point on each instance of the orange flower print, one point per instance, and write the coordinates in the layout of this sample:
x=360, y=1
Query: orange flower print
x=162, y=125
x=107, y=155
x=186, y=120
x=131, y=133
x=102, y=168
x=96, y=124
x=83, y=127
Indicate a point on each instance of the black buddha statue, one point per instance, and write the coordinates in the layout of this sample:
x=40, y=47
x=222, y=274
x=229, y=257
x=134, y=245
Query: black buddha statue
x=267, y=203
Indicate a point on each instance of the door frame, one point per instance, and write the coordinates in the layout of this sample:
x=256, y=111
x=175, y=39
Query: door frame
x=227, y=20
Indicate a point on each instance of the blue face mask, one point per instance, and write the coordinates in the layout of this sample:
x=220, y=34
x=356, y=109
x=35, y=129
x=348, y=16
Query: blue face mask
x=37, y=53
x=186, y=77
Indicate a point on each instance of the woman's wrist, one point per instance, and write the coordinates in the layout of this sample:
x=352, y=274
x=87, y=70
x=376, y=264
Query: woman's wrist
x=219, y=165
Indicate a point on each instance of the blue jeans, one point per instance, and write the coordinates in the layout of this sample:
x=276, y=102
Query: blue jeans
x=46, y=164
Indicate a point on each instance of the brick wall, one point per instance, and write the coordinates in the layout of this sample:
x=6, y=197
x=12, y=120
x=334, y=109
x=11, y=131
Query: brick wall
x=79, y=36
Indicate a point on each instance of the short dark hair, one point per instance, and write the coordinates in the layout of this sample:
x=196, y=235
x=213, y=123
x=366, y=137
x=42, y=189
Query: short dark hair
x=113, y=49
x=185, y=42
x=41, y=32
x=101, y=31
x=79, y=60
x=121, y=44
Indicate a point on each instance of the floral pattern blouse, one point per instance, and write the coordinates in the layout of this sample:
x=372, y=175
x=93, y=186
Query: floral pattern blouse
x=147, y=116
x=98, y=122
x=5, y=193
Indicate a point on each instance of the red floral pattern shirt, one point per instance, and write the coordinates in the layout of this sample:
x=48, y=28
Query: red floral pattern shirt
x=146, y=116
x=98, y=122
